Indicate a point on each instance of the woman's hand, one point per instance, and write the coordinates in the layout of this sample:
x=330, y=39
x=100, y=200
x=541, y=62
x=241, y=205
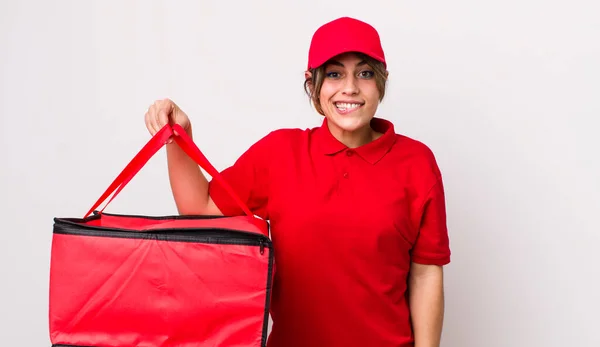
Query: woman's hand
x=163, y=112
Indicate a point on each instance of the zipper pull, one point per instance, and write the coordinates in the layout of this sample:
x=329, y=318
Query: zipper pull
x=262, y=246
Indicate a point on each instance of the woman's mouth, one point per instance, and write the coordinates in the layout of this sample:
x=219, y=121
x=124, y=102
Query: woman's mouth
x=347, y=107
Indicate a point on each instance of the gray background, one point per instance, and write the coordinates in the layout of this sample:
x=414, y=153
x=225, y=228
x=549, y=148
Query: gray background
x=504, y=92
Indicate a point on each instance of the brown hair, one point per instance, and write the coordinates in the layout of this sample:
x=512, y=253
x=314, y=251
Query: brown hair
x=312, y=85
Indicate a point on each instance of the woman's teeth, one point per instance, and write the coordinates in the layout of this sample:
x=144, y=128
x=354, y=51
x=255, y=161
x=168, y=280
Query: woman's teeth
x=343, y=106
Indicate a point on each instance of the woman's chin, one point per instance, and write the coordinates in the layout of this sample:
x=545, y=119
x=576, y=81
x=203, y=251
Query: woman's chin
x=349, y=122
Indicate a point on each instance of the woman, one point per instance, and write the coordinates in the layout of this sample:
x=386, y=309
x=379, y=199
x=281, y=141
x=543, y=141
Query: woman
x=357, y=211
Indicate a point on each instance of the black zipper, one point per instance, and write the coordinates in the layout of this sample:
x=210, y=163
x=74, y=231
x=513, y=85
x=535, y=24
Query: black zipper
x=204, y=235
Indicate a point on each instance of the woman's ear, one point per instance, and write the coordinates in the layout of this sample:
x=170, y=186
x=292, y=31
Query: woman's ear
x=308, y=82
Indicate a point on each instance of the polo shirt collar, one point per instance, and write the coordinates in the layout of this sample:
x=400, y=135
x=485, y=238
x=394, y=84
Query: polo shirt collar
x=372, y=152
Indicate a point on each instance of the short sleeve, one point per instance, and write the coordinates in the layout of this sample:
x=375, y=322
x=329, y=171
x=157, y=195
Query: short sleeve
x=248, y=177
x=432, y=242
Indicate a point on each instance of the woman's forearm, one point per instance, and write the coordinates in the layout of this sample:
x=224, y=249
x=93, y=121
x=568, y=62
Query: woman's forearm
x=426, y=299
x=188, y=183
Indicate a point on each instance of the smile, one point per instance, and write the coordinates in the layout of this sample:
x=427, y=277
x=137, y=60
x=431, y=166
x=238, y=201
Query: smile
x=345, y=107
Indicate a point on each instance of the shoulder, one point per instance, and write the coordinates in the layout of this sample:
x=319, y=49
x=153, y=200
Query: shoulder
x=286, y=134
x=418, y=155
x=284, y=138
x=413, y=147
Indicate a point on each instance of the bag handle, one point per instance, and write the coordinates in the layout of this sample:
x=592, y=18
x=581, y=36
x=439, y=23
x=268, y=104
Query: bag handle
x=154, y=145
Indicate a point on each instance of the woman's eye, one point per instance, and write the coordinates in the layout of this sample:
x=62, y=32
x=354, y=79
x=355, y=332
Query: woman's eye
x=333, y=75
x=366, y=74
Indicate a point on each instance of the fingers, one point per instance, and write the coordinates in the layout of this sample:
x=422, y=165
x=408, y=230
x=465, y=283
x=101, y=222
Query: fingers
x=164, y=112
x=153, y=119
x=148, y=118
x=158, y=115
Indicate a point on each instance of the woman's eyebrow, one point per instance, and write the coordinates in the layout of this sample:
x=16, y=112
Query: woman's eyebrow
x=337, y=63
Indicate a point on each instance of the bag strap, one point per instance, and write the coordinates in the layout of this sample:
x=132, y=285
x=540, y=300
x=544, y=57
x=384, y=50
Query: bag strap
x=154, y=145
x=189, y=147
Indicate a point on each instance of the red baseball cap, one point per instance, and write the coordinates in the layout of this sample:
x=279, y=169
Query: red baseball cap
x=343, y=35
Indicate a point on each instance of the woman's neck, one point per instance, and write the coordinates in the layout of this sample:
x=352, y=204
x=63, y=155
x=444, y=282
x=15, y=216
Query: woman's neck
x=354, y=139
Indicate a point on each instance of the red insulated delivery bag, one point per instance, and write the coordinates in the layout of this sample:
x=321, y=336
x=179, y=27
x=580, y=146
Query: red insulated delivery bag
x=131, y=280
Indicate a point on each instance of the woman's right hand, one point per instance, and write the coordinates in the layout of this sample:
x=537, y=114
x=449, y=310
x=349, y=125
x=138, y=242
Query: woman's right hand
x=163, y=112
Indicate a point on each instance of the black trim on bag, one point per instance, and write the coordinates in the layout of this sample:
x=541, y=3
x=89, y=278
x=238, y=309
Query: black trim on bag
x=77, y=226
x=263, y=342
x=204, y=235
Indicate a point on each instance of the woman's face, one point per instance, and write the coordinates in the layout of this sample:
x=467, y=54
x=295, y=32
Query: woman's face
x=349, y=96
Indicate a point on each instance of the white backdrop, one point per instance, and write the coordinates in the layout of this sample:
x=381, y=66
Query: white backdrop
x=506, y=93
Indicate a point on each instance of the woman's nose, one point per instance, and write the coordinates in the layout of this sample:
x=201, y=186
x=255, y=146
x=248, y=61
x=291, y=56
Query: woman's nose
x=350, y=86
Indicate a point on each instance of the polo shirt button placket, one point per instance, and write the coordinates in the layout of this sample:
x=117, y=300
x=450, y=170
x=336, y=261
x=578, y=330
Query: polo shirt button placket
x=349, y=153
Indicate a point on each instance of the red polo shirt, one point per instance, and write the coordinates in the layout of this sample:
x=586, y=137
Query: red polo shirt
x=345, y=224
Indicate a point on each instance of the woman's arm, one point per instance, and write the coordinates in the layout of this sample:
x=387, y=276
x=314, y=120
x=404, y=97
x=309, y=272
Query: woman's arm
x=426, y=300
x=188, y=184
